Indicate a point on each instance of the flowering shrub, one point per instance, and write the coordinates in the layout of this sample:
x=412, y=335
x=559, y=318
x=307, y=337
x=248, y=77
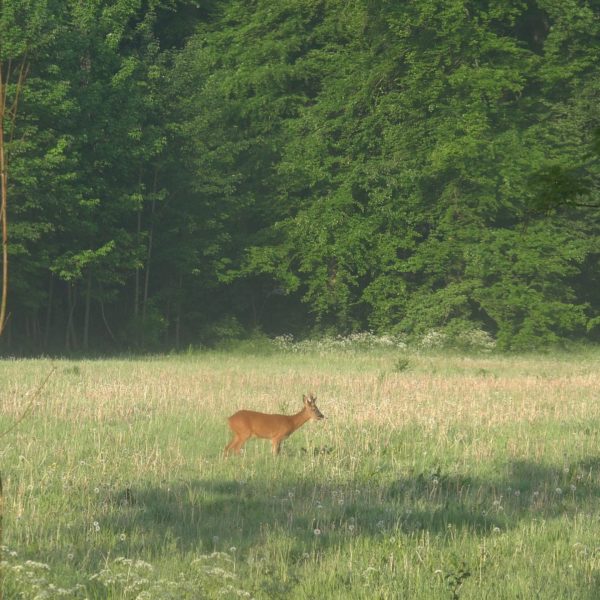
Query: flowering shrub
x=32, y=580
x=209, y=575
x=467, y=339
x=355, y=341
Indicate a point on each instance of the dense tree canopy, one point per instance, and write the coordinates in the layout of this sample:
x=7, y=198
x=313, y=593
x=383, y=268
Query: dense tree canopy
x=183, y=171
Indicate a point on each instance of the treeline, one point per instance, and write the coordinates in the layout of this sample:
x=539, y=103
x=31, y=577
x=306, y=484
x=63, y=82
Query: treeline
x=179, y=172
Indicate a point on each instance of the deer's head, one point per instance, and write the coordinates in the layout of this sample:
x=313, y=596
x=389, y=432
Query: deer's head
x=310, y=404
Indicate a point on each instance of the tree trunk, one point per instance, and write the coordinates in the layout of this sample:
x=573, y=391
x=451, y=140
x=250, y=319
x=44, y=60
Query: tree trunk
x=11, y=114
x=105, y=321
x=136, y=293
x=178, y=317
x=149, y=253
x=49, y=312
x=148, y=257
x=3, y=203
x=86, y=318
x=70, y=335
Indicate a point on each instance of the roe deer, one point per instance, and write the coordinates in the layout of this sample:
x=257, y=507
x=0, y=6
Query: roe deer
x=246, y=423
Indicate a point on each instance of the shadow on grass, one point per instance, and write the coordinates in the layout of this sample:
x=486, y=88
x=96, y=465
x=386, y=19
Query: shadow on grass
x=206, y=515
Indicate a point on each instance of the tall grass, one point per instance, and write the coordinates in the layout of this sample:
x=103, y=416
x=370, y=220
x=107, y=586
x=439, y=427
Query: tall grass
x=434, y=476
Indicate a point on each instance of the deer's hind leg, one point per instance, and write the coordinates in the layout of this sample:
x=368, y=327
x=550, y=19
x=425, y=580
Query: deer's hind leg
x=239, y=439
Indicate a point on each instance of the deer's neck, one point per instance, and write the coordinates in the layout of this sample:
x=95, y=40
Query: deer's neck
x=299, y=418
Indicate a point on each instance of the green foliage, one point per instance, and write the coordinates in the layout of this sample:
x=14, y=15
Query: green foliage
x=304, y=166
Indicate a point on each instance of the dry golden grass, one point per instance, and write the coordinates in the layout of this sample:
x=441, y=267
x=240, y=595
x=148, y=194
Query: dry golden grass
x=480, y=392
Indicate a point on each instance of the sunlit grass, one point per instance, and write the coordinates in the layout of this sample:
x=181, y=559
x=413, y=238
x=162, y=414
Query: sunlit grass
x=433, y=476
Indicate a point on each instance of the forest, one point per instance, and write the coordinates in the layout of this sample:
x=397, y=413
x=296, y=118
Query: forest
x=176, y=173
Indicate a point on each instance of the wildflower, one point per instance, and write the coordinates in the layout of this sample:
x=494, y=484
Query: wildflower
x=70, y=556
x=350, y=528
x=32, y=564
x=558, y=491
x=517, y=493
x=573, y=488
x=317, y=531
x=96, y=526
x=122, y=537
x=232, y=550
x=496, y=530
x=97, y=490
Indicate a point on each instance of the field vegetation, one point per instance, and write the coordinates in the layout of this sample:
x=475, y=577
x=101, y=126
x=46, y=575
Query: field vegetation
x=435, y=475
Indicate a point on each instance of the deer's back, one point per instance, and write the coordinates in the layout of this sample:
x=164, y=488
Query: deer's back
x=259, y=424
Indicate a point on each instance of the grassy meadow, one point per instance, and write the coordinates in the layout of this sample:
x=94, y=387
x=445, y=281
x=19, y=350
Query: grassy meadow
x=433, y=476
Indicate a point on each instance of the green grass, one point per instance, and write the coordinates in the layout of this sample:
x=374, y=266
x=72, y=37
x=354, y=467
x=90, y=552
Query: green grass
x=433, y=476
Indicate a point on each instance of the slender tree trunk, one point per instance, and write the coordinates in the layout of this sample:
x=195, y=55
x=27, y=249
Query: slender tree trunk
x=10, y=114
x=38, y=330
x=136, y=293
x=178, y=317
x=105, y=321
x=148, y=257
x=49, y=312
x=3, y=203
x=86, y=318
x=149, y=253
x=70, y=336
